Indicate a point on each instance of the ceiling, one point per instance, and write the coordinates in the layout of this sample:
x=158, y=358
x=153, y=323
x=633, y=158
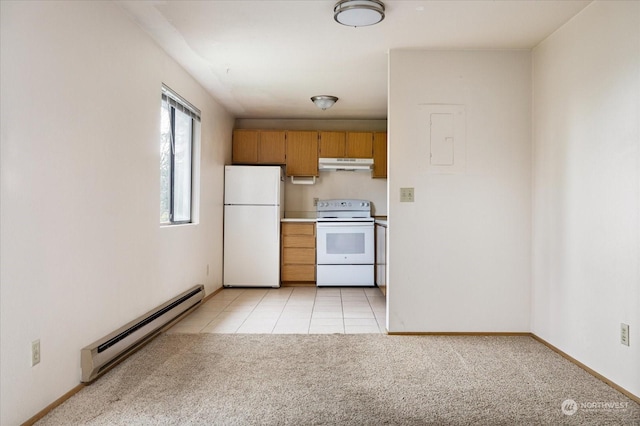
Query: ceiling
x=265, y=59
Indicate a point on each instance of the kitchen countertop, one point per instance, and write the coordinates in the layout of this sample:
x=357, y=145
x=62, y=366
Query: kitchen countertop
x=306, y=217
x=381, y=220
x=299, y=216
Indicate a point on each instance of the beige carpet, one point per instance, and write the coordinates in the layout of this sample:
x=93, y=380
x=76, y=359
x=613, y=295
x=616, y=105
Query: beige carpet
x=207, y=379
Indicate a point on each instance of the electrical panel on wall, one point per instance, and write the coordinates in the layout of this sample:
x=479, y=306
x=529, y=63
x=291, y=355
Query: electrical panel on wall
x=445, y=137
x=441, y=139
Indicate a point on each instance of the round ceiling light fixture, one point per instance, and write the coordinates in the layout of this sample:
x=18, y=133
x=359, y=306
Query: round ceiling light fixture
x=324, y=101
x=358, y=13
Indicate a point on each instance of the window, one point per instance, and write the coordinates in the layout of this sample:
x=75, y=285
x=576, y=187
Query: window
x=179, y=125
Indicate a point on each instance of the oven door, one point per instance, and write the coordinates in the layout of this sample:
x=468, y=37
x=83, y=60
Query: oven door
x=345, y=243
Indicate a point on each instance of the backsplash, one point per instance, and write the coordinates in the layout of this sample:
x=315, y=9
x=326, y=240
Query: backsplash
x=332, y=184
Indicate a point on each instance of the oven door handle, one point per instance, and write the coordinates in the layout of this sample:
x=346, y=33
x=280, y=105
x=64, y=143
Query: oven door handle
x=322, y=225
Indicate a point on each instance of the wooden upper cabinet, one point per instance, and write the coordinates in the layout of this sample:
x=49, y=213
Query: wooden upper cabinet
x=359, y=145
x=346, y=144
x=300, y=150
x=379, y=155
x=245, y=146
x=272, y=147
x=302, y=153
x=259, y=146
x=332, y=145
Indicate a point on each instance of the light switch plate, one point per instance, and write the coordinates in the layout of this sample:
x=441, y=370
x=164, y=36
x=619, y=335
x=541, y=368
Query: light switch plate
x=35, y=352
x=624, y=334
x=406, y=195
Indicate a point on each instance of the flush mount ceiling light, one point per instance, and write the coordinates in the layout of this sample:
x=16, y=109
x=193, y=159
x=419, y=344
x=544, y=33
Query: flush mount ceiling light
x=323, y=101
x=358, y=13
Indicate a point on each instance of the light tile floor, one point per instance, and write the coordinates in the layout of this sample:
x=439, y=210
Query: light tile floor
x=289, y=310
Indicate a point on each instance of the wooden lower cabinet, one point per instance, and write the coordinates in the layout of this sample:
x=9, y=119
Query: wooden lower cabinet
x=298, y=252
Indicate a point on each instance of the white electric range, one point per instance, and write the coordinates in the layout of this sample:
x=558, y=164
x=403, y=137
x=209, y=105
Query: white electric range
x=345, y=243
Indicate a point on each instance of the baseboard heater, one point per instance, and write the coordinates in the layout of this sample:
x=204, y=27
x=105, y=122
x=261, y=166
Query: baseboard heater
x=105, y=353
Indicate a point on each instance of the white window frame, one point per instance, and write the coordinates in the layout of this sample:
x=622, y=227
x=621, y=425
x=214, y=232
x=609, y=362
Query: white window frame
x=168, y=207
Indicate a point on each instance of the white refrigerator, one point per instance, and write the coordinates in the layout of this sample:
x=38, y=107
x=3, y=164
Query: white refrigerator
x=253, y=201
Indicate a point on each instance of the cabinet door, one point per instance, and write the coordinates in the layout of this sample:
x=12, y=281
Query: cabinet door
x=272, y=147
x=379, y=155
x=360, y=145
x=333, y=144
x=381, y=258
x=245, y=146
x=302, y=153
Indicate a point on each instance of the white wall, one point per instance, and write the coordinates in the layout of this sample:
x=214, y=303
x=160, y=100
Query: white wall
x=459, y=256
x=586, y=248
x=81, y=249
x=310, y=124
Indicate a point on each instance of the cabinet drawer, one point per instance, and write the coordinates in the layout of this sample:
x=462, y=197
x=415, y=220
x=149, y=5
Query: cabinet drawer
x=298, y=273
x=300, y=241
x=303, y=256
x=298, y=229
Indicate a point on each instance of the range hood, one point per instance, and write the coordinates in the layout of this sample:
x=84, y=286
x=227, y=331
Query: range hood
x=351, y=164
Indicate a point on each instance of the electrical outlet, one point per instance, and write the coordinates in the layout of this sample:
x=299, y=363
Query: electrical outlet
x=207, y=269
x=35, y=352
x=624, y=334
x=406, y=195
x=315, y=202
